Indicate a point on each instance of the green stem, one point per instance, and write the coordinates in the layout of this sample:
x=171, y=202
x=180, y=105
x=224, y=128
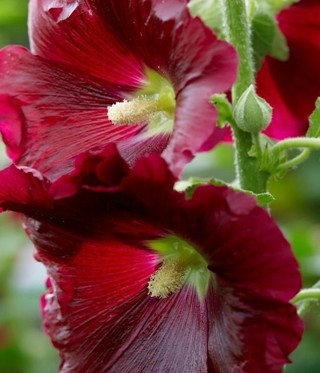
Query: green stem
x=237, y=31
x=296, y=160
x=294, y=143
x=307, y=294
x=306, y=297
x=257, y=144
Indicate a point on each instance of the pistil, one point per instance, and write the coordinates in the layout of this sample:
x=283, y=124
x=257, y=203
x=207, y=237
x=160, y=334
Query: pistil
x=168, y=279
x=135, y=111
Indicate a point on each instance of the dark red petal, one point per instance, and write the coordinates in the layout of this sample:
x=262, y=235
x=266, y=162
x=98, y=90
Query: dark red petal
x=99, y=315
x=248, y=333
x=195, y=120
x=51, y=115
x=23, y=191
x=241, y=242
x=84, y=52
x=292, y=87
x=105, y=169
x=184, y=50
x=95, y=246
x=100, y=318
x=70, y=33
x=271, y=331
x=246, y=251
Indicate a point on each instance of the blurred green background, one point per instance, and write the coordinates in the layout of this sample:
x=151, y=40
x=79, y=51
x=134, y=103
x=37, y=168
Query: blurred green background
x=23, y=346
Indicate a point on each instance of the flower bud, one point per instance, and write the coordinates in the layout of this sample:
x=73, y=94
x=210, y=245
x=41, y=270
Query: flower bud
x=252, y=113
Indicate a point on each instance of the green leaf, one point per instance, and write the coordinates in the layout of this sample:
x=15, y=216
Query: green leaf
x=279, y=48
x=314, y=120
x=224, y=108
x=209, y=11
x=274, y=6
x=278, y=5
x=263, y=33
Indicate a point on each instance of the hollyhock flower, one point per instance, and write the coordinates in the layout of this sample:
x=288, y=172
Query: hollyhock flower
x=292, y=86
x=139, y=73
x=142, y=279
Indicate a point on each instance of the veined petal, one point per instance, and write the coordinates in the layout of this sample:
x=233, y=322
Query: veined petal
x=170, y=41
x=100, y=310
x=51, y=115
x=238, y=223
x=23, y=191
x=68, y=32
x=292, y=86
x=250, y=225
x=280, y=331
x=91, y=55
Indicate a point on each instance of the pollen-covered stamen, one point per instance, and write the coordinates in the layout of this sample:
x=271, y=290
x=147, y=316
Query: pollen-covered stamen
x=134, y=111
x=168, y=279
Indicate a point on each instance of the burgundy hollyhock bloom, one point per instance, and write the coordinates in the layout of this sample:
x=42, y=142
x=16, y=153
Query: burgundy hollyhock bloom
x=142, y=279
x=153, y=59
x=292, y=86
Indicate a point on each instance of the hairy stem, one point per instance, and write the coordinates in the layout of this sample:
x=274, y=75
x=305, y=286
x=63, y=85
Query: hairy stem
x=237, y=31
x=296, y=143
x=296, y=160
x=307, y=294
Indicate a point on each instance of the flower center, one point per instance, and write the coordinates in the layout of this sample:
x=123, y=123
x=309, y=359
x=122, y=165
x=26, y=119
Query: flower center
x=168, y=279
x=153, y=103
x=181, y=265
x=138, y=110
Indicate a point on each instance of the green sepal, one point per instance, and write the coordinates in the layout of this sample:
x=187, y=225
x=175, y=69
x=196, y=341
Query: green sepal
x=190, y=185
x=224, y=108
x=263, y=199
x=314, y=121
x=268, y=162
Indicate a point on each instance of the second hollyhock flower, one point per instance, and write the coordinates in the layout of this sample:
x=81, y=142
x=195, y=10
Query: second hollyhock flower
x=142, y=279
x=138, y=73
x=291, y=87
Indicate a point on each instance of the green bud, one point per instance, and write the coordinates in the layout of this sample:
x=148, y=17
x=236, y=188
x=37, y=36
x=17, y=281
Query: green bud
x=252, y=113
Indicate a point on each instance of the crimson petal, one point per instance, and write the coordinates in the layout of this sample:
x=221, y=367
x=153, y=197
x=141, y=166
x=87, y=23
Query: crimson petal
x=51, y=114
x=86, y=60
x=23, y=191
x=170, y=41
x=68, y=32
x=99, y=310
x=292, y=86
